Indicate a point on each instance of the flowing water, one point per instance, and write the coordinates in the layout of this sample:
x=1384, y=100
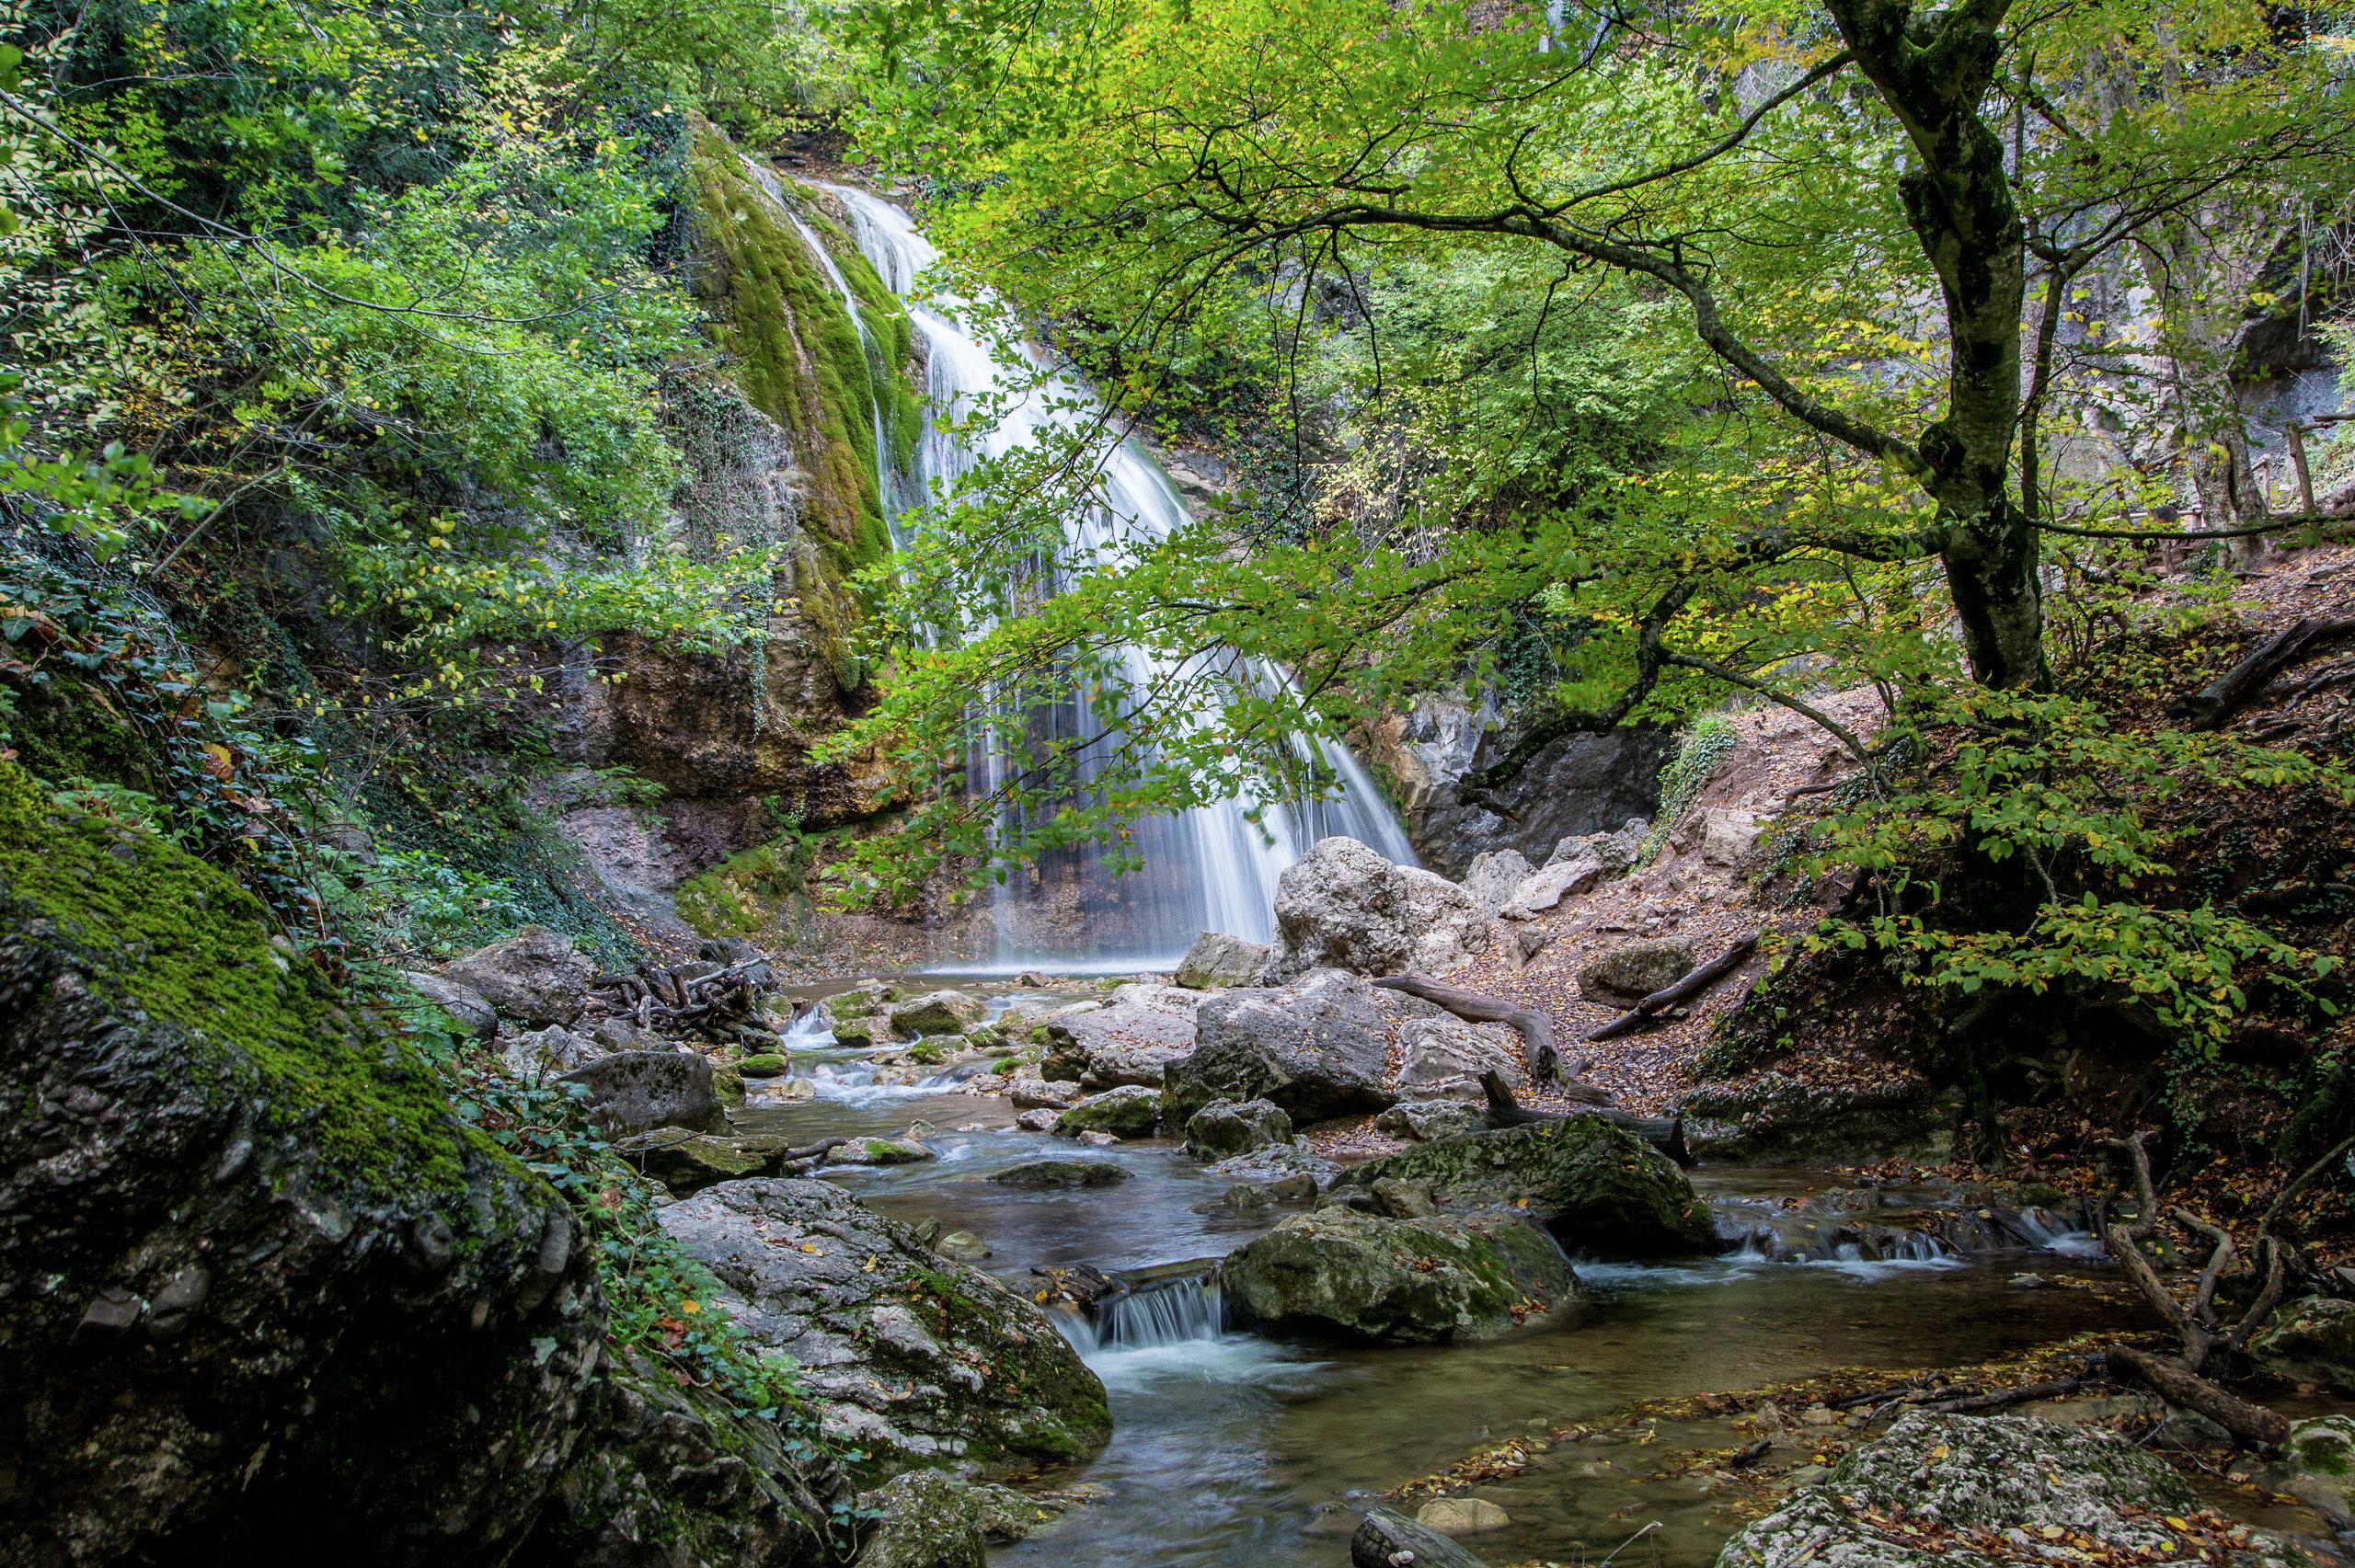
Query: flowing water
x=1209, y=868
x=1234, y=1451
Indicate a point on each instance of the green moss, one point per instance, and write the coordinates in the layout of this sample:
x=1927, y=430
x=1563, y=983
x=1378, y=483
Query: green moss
x=168, y=935
x=65, y=728
x=740, y=895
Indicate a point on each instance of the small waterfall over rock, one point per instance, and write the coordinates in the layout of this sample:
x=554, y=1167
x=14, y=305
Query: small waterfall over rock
x=1213, y=867
x=1151, y=1317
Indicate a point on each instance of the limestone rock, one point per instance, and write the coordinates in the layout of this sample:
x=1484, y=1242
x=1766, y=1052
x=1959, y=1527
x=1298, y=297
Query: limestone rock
x=684, y=1160
x=533, y=977
x=1598, y=1187
x=2311, y=1340
x=1461, y=1516
x=1319, y=1048
x=1443, y=1058
x=253, y=1270
x=879, y=1151
x=929, y=1519
x=1625, y=976
x=1039, y=1094
x=1342, y=906
x=1130, y=1111
x=545, y=1053
x=632, y=1091
x=1123, y=1043
x=913, y=1356
x=1039, y=1120
x=1048, y=1174
x=1342, y=1274
x=2318, y=1464
x=1495, y=877
x=1217, y=960
x=2008, y=1474
x=936, y=1013
x=1550, y=884
x=1427, y=1120
x=1231, y=1126
x=1617, y=851
x=1722, y=836
x=465, y=1005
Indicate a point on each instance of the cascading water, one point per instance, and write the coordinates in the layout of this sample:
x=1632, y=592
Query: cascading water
x=1211, y=867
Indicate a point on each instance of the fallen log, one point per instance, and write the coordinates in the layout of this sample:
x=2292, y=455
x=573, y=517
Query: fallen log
x=2209, y=707
x=1996, y=1399
x=1536, y=1029
x=1387, y=1540
x=1663, y=1133
x=1690, y=986
x=2252, y=1423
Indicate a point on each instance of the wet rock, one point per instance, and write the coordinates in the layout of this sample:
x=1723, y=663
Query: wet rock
x=1095, y=1138
x=1295, y=1188
x=1121, y=1043
x=1048, y=1174
x=859, y=1002
x=1342, y=906
x=1319, y=1048
x=1041, y=1120
x=963, y=1246
x=2011, y=1475
x=1342, y=1274
x=916, y=1359
x=549, y=1052
x=1217, y=960
x=879, y=1151
x=929, y=1519
x=1625, y=976
x=533, y=977
x=1545, y=889
x=1402, y=1199
x=1229, y=1127
x=684, y=1160
x=936, y=1013
x=1130, y=1111
x=1495, y=876
x=2311, y=1340
x=1443, y=1058
x=1275, y=1163
x=765, y=1064
x=862, y=1032
x=466, y=1006
x=1036, y=1094
x=1461, y=1516
x=632, y=1091
x=1775, y=1118
x=1427, y=1120
x=2318, y=1464
x=253, y=1270
x=1600, y=1189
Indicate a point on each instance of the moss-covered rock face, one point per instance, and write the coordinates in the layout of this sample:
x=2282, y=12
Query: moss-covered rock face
x=1126, y=1111
x=912, y=1357
x=252, y=1267
x=1340, y=1272
x=1598, y=1187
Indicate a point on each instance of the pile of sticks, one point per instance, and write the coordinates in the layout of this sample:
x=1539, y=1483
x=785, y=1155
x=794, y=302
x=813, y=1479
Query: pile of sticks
x=687, y=996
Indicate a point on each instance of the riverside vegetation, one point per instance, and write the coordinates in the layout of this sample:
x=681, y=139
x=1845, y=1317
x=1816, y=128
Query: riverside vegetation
x=553, y=556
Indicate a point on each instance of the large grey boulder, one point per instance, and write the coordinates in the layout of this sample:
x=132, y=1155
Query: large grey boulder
x=1557, y=879
x=1217, y=960
x=1130, y=1111
x=1617, y=852
x=914, y=1357
x=466, y=1006
x=929, y=1519
x=1344, y=1274
x=545, y=1053
x=1319, y=1048
x=2021, y=1481
x=1343, y=905
x=633, y=1091
x=1494, y=876
x=534, y=976
x=1225, y=1127
x=1122, y=1043
x=1443, y=1058
x=1600, y=1189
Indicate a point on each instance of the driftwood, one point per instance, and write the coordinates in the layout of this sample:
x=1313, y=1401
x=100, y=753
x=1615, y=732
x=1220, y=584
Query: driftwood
x=674, y=997
x=2252, y=1423
x=1385, y=1539
x=1536, y=1029
x=1996, y=1399
x=2209, y=707
x=1663, y=1133
x=1645, y=1011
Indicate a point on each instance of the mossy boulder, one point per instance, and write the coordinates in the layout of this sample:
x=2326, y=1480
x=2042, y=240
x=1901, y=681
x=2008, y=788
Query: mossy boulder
x=916, y=1359
x=1126, y=1111
x=1340, y=1272
x=2318, y=1464
x=861, y=1032
x=936, y=1013
x=1597, y=1186
x=2311, y=1340
x=1072, y=1174
x=766, y=1064
x=252, y=1268
x=1319, y=1047
x=2019, y=1481
x=927, y=1519
x=879, y=1151
x=1230, y=1127
x=1625, y=976
x=633, y=1091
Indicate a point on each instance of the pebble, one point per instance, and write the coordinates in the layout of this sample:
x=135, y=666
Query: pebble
x=1462, y=1515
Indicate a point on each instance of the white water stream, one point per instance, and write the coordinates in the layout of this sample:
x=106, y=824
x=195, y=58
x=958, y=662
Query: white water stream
x=1209, y=868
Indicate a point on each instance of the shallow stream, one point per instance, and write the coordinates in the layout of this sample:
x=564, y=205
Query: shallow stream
x=1234, y=1451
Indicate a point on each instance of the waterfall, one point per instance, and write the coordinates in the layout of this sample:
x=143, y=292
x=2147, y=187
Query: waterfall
x=1210, y=867
x=1152, y=1317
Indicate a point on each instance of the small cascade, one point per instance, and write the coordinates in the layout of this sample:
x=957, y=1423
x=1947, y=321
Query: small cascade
x=1213, y=867
x=1152, y=1317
